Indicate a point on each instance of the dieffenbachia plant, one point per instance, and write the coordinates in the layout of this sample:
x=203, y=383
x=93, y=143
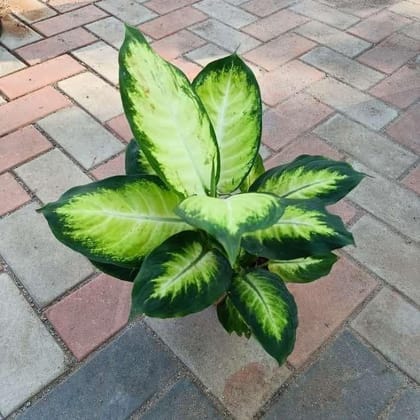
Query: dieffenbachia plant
x=196, y=220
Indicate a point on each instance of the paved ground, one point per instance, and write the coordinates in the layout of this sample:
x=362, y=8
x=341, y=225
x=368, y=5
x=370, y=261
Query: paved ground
x=338, y=77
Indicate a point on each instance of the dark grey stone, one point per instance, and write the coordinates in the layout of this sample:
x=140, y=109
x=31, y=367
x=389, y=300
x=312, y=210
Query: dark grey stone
x=113, y=384
x=184, y=401
x=347, y=382
x=407, y=407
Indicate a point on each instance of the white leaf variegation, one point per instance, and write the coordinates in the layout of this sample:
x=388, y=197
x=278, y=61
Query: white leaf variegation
x=167, y=118
x=227, y=219
x=231, y=96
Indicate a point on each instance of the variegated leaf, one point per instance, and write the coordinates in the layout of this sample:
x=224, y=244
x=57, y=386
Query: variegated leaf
x=136, y=162
x=256, y=171
x=303, y=270
x=122, y=273
x=231, y=319
x=310, y=177
x=304, y=229
x=231, y=96
x=227, y=219
x=118, y=220
x=182, y=276
x=167, y=118
x=268, y=308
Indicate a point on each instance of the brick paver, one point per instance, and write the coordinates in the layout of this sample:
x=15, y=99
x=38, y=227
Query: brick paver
x=338, y=78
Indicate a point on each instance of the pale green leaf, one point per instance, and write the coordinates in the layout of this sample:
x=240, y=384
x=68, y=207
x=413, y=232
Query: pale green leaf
x=256, y=171
x=231, y=319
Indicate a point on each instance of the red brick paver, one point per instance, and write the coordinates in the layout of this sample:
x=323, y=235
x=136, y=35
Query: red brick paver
x=12, y=195
x=115, y=166
x=412, y=180
x=120, y=126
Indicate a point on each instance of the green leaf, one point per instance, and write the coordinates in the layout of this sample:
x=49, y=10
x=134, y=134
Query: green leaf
x=231, y=96
x=310, y=177
x=268, y=308
x=227, y=219
x=182, y=276
x=122, y=273
x=167, y=118
x=303, y=270
x=305, y=228
x=231, y=319
x=118, y=220
x=256, y=171
x=136, y=162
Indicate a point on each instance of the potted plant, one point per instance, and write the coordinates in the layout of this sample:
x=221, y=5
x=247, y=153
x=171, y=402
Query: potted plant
x=197, y=220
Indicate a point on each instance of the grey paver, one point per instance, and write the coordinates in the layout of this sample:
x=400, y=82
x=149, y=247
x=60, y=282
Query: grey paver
x=388, y=255
x=16, y=34
x=45, y=266
x=325, y=14
x=337, y=40
x=359, y=106
x=347, y=382
x=109, y=29
x=183, y=401
x=81, y=136
x=95, y=95
x=236, y=370
x=407, y=8
x=102, y=58
x=206, y=54
x=231, y=15
x=9, y=63
x=392, y=326
x=343, y=68
x=412, y=30
x=30, y=358
x=114, y=383
x=225, y=36
x=128, y=11
x=372, y=149
x=407, y=407
x=388, y=201
x=51, y=174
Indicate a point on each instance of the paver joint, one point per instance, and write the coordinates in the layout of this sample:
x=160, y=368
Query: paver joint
x=339, y=78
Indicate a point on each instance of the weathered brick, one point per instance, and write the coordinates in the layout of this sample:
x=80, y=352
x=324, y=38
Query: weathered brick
x=407, y=405
x=115, y=166
x=112, y=384
x=166, y=6
x=128, y=11
x=9, y=63
x=379, y=26
x=12, y=195
x=102, y=58
x=402, y=88
x=357, y=105
x=325, y=14
x=372, y=149
x=177, y=44
x=120, y=126
x=388, y=201
x=287, y=80
x=347, y=382
x=29, y=108
x=172, y=22
x=280, y=50
x=226, y=13
x=20, y=146
x=274, y=25
x=291, y=119
x=45, y=267
x=343, y=68
x=30, y=358
x=109, y=29
x=90, y=315
x=187, y=67
x=205, y=54
x=406, y=130
x=391, y=325
x=69, y=20
x=264, y=8
x=32, y=10
x=337, y=40
x=412, y=30
x=412, y=180
x=56, y=45
x=225, y=36
x=72, y=127
x=387, y=254
x=65, y=5
x=391, y=53
x=325, y=304
x=236, y=370
x=98, y=97
x=406, y=8
x=38, y=76
x=16, y=34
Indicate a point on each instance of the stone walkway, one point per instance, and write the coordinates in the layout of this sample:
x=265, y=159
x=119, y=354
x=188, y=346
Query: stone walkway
x=339, y=78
